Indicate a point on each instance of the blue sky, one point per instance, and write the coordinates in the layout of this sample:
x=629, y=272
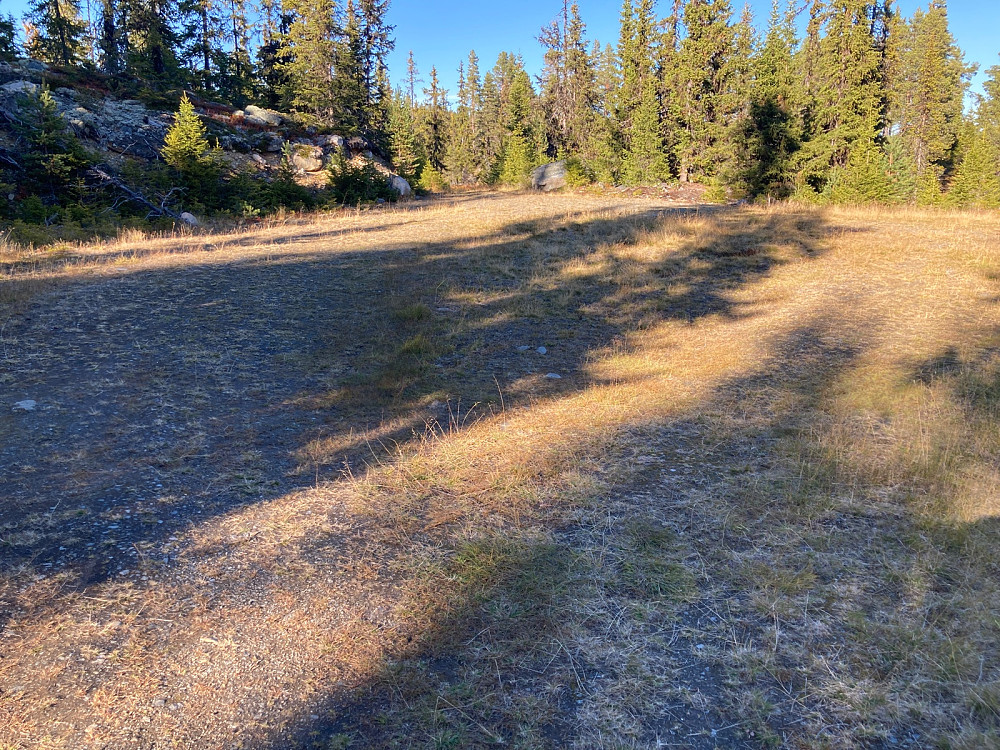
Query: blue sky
x=441, y=32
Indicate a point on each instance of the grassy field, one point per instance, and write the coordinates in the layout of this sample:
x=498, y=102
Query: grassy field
x=506, y=470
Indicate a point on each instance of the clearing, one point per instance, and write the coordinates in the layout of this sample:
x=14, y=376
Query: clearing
x=506, y=470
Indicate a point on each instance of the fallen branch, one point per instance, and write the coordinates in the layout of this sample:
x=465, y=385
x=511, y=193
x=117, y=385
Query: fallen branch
x=103, y=174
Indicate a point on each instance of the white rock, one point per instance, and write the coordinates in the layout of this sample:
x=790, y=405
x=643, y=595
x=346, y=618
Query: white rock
x=26, y=405
x=400, y=185
x=189, y=218
x=542, y=350
x=553, y=376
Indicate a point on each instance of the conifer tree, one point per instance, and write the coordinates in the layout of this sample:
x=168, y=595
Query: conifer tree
x=460, y=155
x=847, y=91
x=567, y=82
x=8, y=39
x=977, y=179
x=273, y=55
x=403, y=144
x=929, y=93
x=706, y=77
x=769, y=135
x=59, y=32
x=186, y=149
x=347, y=93
x=434, y=125
x=645, y=162
x=149, y=40
x=307, y=56
x=53, y=158
x=518, y=154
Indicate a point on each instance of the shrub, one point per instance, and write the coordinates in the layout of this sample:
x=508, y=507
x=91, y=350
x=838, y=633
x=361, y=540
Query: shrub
x=578, y=172
x=350, y=184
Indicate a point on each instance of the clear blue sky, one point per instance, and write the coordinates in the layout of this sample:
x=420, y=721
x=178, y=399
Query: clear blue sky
x=441, y=32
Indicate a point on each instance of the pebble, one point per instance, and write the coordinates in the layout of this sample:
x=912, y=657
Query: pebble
x=542, y=350
x=553, y=376
x=26, y=405
x=523, y=348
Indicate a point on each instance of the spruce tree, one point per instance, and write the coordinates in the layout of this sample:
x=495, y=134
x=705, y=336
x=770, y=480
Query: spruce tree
x=405, y=150
x=567, y=82
x=186, y=150
x=53, y=158
x=765, y=140
x=929, y=92
x=706, y=72
x=58, y=31
x=8, y=39
x=977, y=179
x=347, y=90
x=307, y=56
x=434, y=124
x=149, y=40
x=847, y=91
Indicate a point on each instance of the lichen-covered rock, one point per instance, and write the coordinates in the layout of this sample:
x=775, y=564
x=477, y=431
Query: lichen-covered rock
x=307, y=158
x=549, y=176
x=262, y=117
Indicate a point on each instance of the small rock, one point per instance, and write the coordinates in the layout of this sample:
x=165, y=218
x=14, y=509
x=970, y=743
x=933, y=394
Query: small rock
x=26, y=405
x=523, y=348
x=542, y=350
x=554, y=376
x=159, y=703
x=380, y=201
x=191, y=219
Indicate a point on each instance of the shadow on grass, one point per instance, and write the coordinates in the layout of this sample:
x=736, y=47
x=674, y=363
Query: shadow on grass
x=172, y=397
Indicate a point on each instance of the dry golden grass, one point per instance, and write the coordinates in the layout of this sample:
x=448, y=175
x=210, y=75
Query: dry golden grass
x=758, y=508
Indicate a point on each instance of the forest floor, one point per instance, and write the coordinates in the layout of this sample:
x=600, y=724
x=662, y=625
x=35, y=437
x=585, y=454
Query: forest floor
x=506, y=470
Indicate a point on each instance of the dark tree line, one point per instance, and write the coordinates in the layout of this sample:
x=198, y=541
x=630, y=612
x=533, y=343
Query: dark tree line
x=866, y=105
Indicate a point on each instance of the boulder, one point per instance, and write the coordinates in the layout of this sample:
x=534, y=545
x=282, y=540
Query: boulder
x=307, y=158
x=262, y=117
x=19, y=87
x=358, y=145
x=401, y=186
x=274, y=143
x=549, y=176
x=190, y=219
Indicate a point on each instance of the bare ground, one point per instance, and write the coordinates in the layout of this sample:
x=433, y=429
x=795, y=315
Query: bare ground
x=315, y=485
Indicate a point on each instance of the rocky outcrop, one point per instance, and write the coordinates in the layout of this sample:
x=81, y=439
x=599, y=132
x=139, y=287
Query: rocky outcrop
x=253, y=138
x=549, y=176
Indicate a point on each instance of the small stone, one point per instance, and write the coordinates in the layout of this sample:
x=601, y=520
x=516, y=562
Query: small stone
x=523, y=348
x=26, y=405
x=553, y=376
x=542, y=350
x=159, y=703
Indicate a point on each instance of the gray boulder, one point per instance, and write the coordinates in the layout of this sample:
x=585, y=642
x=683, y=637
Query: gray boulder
x=19, y=87
x=401, y=186
x=274, y=143
x=307, y=158
x=549, y=176
x=262, y=117
x=190, y=219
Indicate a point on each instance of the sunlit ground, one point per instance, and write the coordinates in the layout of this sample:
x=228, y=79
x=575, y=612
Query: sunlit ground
x=355, y=506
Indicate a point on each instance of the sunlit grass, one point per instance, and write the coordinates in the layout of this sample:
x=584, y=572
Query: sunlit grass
x=772, y=457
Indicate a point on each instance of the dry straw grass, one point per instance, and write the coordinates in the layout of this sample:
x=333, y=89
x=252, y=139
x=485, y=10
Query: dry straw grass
x=757, y=508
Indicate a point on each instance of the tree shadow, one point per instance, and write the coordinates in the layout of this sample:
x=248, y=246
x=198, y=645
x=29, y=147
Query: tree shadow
x=172, y=397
